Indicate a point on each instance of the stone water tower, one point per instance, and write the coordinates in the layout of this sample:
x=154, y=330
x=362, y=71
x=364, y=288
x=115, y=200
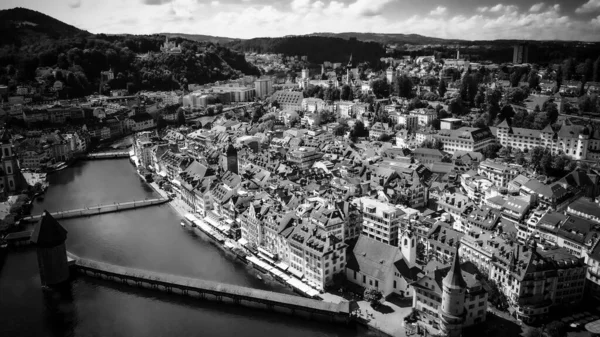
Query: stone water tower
x=49, y=237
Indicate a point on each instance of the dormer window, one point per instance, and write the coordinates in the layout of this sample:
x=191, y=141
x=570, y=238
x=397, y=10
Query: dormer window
x=370, y=209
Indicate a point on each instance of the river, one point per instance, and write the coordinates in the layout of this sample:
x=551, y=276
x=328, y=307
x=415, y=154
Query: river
x=149, y=238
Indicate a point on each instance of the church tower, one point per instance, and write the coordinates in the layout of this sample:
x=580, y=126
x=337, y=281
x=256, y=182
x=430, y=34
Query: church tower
x=453, y=299
x=230, y=162
x=49, y=237
x=11, y=178
x=408, y=246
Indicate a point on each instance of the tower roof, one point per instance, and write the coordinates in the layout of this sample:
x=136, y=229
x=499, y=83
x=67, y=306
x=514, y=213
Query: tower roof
x=231, y=151
x=454, y=278
x=48, y=232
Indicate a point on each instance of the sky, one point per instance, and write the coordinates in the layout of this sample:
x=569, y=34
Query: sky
x=460, y=19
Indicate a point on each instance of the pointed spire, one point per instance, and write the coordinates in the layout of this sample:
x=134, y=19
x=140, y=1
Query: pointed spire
x=454, y=278
x=48, y=232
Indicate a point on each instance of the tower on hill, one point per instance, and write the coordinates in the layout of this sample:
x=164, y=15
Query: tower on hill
x=49, y=237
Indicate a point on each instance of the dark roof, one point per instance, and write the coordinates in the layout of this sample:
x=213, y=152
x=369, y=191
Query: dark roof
x=454, y=278
x=48, y=232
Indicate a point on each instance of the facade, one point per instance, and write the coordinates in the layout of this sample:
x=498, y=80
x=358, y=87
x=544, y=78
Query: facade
x=303, y=157
x=263, y=87
x=11, y=179
x=578, y=142
x=465, y=139
x=499, y=174
x=380, y=220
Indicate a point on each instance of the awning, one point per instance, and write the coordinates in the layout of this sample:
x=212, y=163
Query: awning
x=282, y=265
x=243, y=241
x=266, y=252
x=176, y=182
x=296, y=273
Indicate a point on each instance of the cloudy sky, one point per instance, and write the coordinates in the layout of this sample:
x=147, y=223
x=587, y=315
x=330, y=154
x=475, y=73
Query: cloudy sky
x=464, y=19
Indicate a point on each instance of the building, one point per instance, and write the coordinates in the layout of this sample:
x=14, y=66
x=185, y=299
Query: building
x=577, y=141
x=230, y=160
x=521, y=53
x=428, y=156
x=11, y=179
x=263, y=87
x=49, y=238
x=304, y=157
x=451, y=298
x=315, y=255
x=380, y=220
x=464, y=139
x=450, y=123
x=499, y=174
x=410, y=122
x=373, y=264
x=291, y=100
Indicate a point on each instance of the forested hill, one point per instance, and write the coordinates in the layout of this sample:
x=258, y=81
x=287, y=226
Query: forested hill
x=44, y=48
x=317, y=48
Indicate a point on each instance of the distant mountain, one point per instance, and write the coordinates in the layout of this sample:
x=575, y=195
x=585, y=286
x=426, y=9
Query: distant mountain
x=35, y=47
x=201, y=38
x=22, y=26
x=390, y=38
x=318, y=49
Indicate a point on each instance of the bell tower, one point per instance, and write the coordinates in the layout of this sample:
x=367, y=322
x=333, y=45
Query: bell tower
x=408, y=246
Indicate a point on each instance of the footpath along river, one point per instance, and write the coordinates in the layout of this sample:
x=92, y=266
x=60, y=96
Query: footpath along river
x=149, y=238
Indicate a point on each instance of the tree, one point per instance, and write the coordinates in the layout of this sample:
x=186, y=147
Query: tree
x=161, y=123
x=381, y=88
x=556, y=329
x=515, y=78
x=346, y=93
x=504, y=151
x=359, y=130
x=456, y=107
x=210, y=111
x=551, y=110
x=536, y=155
x=541, y=121
x=533, y=80
x=491, y=151
x=442, y=87
x=405, y=86
x=533, y=332
x=341, y=129
x=520, y=158
x=373, y=296
x=180, y=117
x=219, y=108
x=559, y=78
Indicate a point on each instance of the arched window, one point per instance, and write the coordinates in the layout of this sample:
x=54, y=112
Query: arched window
x=405, y=241
x=413, y=243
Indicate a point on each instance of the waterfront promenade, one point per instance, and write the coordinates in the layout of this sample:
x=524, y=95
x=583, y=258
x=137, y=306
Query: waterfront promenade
x=101, y=209
x=209, y=290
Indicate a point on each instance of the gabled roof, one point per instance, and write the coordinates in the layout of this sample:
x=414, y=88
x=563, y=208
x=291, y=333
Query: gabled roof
x=48, y=232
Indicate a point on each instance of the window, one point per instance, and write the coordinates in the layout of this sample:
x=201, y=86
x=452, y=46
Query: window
x=370, y=282
x=364, y=279
x=394, y=284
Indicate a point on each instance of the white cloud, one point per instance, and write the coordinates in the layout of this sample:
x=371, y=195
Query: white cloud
x=589, y=7
x=367, y=7
x=439, y=10
x=215, y=3
x=483, y=9
x=256, y=19
x=503, y=8
x=537, y=7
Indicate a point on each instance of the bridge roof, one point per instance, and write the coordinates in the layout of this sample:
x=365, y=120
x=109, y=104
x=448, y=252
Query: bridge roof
x=48, y=232
x=343, y=307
